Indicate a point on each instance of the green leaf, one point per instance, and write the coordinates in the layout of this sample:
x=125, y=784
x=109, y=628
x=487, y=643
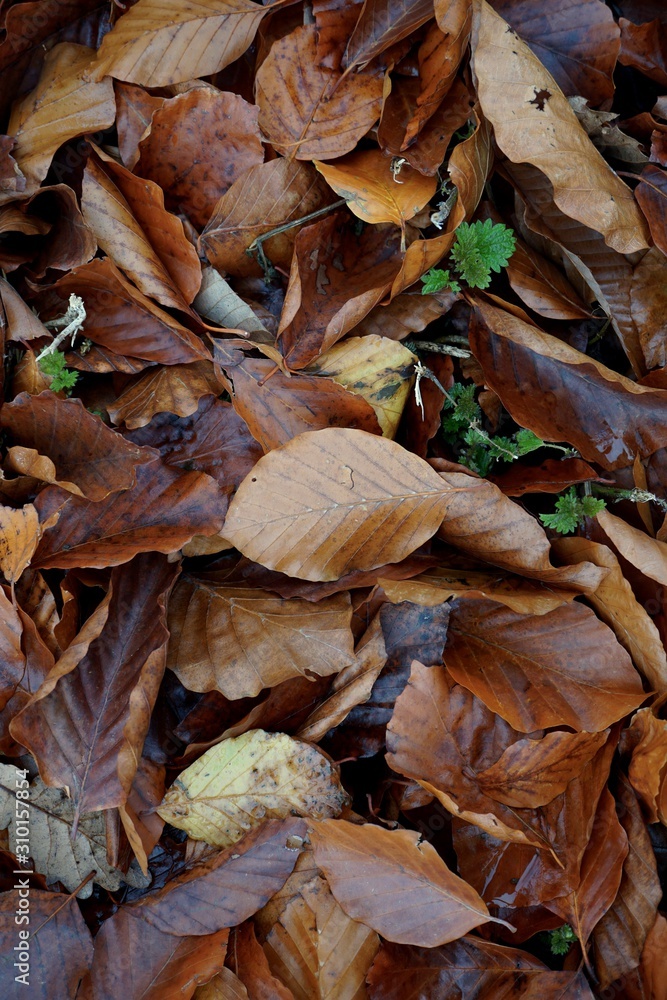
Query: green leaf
x=526, y=441
x=436, y=280
x=560, y=939
x=61, y=377
x=570, y=512
x=482, y=247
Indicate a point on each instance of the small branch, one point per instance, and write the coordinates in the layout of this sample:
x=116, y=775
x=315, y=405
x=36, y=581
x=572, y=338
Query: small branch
x=72, y=322
x=256, y=245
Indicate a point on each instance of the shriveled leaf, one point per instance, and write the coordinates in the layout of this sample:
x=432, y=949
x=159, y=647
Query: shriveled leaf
x=20, y=532
x=617, y=605
x=218, y=302
x=316, y=950
x=373, y=192
x=601, y=871
x=648, y=767
x=393, y=883
x=60, y=950
x=533, y=123
x=620, y=935
x=339, y=500
x=174, y=389
x=265, y=197
x=55, y=854
x=115, y=673
x=109, y=215
x=439, y=584
x=157, y=47
x=65, y=103
x=240, y=782
x=238, y=640
x=376, y=368
x=607, y=417
x=308, y=111
x=87, y=457
x=351, y=687
x=561, y=668
x=208, y=120
x=165, y=509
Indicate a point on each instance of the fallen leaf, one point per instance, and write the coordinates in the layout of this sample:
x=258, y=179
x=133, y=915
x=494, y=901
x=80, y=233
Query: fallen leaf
x=20, y=533
x=64, y=104
x=240, y=782
x=646, y=772
x=335, y=487
x=255, y=640
x=317, y=950
x=563, y=668
x=533, y=123
x=199, y=39
x=308, y=111
x=373, y=191
x=364, y=864
x=248, y=960
x=174, y=389
x=194, y=127
x=77, y=450
x=383, y=23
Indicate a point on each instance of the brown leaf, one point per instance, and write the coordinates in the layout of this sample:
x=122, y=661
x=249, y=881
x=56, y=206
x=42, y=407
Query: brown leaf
x=350, y=688
x=308, y=111
x=134, y=110
x=317, y=950
x=163, y=231
x=383, y=23
x=238, y=640
x=485, y=970
x=533, y=123
x=608, y=418
x=247, y=959
x=365, y=864
x=114, y=667
x=339, y=500
x=277, y=408
x=155, y=47
x=561, y=668
x=174, y=389
x=577, y=41
x=542, y=286
x=181, y=152
x=620, y=935
x=213, y=440
x=643, y=46
x=440, y=583
x=123, y=320
x=601, y=871
x=335, y=280
x=647, y=771
x=264, y=197
x=530, y=773
x=60, y=947
x=165, y=509
x=86, y=456
x=373, y=192
x=20, y=322
x=648, y=554
x=20, y=533
x=65, y=103
x=617, y=605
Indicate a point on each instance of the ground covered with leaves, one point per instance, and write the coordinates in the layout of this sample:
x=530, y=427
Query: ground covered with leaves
x=332, y=499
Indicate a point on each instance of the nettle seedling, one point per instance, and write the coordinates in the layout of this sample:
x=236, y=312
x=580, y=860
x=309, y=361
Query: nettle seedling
x=571, y=512
x=52, y=361
x=479, y=249
x=462, y=429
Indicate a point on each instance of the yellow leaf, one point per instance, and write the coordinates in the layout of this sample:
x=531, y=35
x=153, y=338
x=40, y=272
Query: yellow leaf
x=240, y=782
x=373, y=192
x=379, y=369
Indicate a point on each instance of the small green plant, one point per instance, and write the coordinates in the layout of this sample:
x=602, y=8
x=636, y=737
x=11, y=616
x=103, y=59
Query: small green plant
x=479, y=249
x=462, y=428
x=560, y=939
x=62, y=378
x=570, y=512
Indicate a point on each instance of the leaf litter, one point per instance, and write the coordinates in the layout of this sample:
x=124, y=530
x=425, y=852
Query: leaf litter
x=332, y=499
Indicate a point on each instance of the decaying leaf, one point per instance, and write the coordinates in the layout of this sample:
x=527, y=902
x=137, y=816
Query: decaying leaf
x=242, y=781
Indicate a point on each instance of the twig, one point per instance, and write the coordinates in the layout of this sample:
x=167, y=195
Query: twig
x=72, y=322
